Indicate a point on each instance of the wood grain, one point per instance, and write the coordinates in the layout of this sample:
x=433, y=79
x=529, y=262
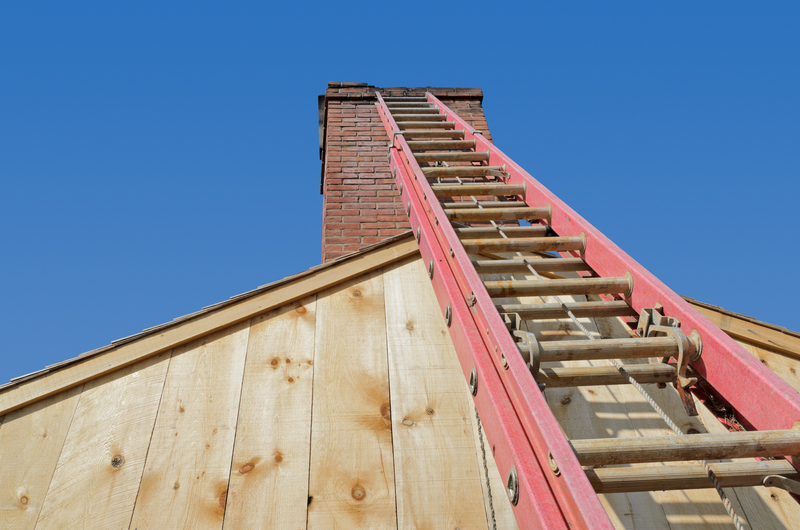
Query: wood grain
x=436, y=475
x=185, y=480
x=114, y=418
x=30, y=444
x=269, y=475
x=352, y=469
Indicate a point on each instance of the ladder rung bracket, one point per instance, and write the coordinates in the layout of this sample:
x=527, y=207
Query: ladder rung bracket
x=596, y=350
x=610, y=451
x=760, y=398
x=524, y=244
x=687, y=476
x=570, y=286
x=510, y=443
x=466, y=190
x=506, y=214
x=542, y=431
x=614, y=308
x=605, y=375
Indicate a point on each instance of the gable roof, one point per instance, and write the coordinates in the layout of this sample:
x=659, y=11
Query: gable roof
x=123, y=352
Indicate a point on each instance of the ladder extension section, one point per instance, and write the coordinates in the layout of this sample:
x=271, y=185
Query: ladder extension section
x=454, y=183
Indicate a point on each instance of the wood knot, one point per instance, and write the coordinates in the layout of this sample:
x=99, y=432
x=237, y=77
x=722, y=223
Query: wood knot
x=408, y=422
x=288, y=360
x=117, y=461
x=409, y=326
x=275, y=361
x=24, y=499
x=301, y=310
x=355, y=293
x=358, y=492
x=176, y=485
x=386, y=412
x=290, y=379
x=278, y=457
x=429, y=411
x=181, y=409
x=247, y=468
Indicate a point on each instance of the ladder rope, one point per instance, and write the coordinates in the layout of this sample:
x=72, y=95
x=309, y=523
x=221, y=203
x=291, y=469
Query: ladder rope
x=672, y=425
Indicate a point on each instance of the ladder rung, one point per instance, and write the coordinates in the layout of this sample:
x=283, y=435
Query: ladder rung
x=500, y=266
x=595, y=350
x=490, y=232
x=460, y=171
x=442, y=133
x=686, y=476
x=615, y=308
x=423, y=145
x=605, y=375
x=609, y=451
x=530, y=244
x=570, y=286
x=480, y=156
x=418, y=117
x=411, y=105
x=406, y=125
x=485, y=204
x=507, y=214
x=419, y=112
x=464, y=190
x=394, y=99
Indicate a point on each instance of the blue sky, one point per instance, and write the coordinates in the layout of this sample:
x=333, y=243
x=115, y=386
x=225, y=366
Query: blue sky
x=156, y=158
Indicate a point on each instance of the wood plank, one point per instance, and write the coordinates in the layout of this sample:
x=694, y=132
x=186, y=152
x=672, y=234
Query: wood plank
x=436, y=475
x=352, y=468
x=185, y=480
x=499, y=513
x=114, y=418
x=181, y=333
x=269, y=476
x=30, y=443
x=743, y=330
x=786, y=367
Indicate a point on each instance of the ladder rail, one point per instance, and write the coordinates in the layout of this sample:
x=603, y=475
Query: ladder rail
x=536, y=503
x=760, y=398
x=554, y=456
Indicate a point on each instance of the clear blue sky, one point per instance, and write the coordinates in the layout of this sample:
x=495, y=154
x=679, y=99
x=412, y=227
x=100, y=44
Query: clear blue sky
x=159, y=157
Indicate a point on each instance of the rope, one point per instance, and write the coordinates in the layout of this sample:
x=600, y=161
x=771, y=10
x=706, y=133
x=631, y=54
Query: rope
x=675, y=429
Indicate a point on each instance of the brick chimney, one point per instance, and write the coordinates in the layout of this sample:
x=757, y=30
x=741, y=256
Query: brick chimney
x=360, y=202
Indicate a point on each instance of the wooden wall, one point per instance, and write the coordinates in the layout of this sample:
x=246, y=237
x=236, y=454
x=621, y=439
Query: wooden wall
x=345, y=409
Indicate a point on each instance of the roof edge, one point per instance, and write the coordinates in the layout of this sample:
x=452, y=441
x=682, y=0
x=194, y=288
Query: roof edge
x=58, y=377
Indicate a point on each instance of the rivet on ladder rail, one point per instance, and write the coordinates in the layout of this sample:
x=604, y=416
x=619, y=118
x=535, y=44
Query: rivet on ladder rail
x=473, y=381
x=430, y=270
x=448, y=315
x=512, y=486
x=419, y=234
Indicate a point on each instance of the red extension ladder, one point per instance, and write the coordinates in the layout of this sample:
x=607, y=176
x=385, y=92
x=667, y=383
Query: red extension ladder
x=466, y=200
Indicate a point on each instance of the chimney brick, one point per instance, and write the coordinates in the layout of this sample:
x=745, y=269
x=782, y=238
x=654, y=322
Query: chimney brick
x=361, y=205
